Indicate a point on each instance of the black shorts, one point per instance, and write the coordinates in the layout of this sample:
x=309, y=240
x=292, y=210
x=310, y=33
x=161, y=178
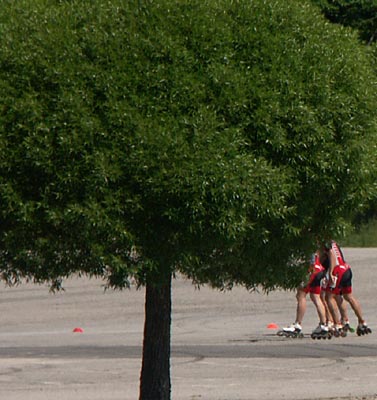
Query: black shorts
x=346, y=281
x=316, y=281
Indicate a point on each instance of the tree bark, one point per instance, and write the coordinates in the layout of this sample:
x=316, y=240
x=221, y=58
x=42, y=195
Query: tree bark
x=155, y=372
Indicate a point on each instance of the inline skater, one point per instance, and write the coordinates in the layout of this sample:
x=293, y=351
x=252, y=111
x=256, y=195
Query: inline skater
x=313, y=287
x=295, y=330
x=340, y=326
x=340, y=287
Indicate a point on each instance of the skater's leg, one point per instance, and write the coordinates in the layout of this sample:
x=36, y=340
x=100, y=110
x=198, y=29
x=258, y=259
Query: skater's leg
x=342, y=306
x=333, y=307
x=362, y=328
x=322, y=330
x=321, y=310
x=294, y=330
x=329, y=318
x=301, y=305
x=355, y=305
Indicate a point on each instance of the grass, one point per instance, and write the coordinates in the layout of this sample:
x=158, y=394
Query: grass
x=365, y=236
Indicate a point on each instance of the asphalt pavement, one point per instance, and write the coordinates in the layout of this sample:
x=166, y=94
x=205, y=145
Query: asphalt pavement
x=85, y=343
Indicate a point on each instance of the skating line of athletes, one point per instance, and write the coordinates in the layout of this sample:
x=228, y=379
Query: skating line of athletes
x=329, y=286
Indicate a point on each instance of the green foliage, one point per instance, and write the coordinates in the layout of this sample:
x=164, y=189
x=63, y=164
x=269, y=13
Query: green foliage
x=357, y=14
x=218, y=139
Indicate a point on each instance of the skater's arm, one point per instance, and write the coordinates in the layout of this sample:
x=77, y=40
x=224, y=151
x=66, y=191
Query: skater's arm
x=333, y=263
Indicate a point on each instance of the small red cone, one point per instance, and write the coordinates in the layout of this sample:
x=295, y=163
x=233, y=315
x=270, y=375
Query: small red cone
x=78, y=330
x=272, y=326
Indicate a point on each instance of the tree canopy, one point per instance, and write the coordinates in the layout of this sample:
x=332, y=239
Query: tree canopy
x=213, y=138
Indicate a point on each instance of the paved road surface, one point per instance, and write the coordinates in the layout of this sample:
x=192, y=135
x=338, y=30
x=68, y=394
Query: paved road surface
x=221, y=347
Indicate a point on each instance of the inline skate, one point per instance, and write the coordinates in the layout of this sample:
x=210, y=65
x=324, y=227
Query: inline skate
x=321, y=332
x=347, y=328
x=291, y=331
x=338, y=331
x=363, y=329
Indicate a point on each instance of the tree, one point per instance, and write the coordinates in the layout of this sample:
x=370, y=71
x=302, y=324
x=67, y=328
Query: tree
x=214, y=139
x=361, y=16
x=358, y=14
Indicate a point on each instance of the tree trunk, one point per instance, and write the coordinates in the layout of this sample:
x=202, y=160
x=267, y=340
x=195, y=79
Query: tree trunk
x=155, y=372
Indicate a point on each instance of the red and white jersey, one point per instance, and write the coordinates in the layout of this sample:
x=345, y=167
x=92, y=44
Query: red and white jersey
x=316, y=265
x=340, y=261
